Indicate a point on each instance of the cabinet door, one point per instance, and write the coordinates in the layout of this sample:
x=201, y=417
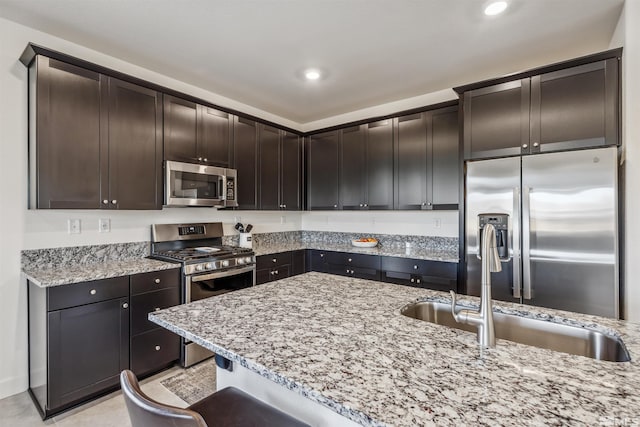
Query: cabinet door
x=245, y=147
x=322, y=179
x=411, y=162
x=269, y=168
x=379, y=165
x=180, y=129
x=575, y=108
x=298, y=262
x=214, y=136
x=353, y=164
x=496, y=120
x=444, y=184
x=88, y=348
x=70, y=133
x=291, y=172
x=135, y=147
x=154, y=350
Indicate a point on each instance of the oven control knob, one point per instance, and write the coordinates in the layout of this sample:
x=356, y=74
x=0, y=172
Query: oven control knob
x=247, y=260
x=240, y=260
x=225, y=263
x=199, y=267
x=210, y=266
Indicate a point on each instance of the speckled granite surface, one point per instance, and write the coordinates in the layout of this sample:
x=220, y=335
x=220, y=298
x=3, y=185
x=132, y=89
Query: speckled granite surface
x=429, y=248
x=63, y=266
x=56, y=276
x=343, y=343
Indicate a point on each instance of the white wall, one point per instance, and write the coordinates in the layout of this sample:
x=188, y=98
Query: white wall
x=627, y=34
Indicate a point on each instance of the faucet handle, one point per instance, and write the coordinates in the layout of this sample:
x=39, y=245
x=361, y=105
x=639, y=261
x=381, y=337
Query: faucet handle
x=454, y=299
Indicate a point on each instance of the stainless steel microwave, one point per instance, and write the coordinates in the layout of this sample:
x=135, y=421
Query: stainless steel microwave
x=188, y=184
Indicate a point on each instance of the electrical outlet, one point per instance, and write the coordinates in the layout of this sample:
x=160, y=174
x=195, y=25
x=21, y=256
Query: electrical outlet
x=438, y=223
x=104, y=225
x=283, y=219
x=73, y=226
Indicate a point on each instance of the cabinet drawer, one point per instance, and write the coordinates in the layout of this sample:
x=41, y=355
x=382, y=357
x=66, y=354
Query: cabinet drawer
x=448, y=270
x=155, y=280
x=420, y=281
x=60, y=297
x=273, y=260
x=359, y=272
x=318, y=261
x=154, y=350
x=270, y=274
x=297, y=262
x=142, y=305
x=354, y=260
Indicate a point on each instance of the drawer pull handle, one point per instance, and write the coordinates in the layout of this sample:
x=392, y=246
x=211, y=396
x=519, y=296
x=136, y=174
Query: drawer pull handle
x=415, y=267
x=125, y=305
x=92, y=292
x=157, y=280
x=157, y=348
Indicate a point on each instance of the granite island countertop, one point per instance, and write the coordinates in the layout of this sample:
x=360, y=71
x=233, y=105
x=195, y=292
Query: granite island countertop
x=343, y=343
x=68, y=274
x=432, y=254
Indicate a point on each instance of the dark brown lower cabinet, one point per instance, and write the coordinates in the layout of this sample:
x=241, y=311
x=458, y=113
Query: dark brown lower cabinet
x=437, y=275
x=279, y=266
x=81, y=336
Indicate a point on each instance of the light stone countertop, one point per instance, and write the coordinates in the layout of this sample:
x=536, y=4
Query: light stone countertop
x=413, y=253
x=343, y=343
x=68, y=274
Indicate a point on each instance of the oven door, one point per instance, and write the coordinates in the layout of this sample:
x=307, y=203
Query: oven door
x=189, y=184
x=200, y=286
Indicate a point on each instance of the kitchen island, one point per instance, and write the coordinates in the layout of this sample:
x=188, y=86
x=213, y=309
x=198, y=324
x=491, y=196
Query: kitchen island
x=342, y=344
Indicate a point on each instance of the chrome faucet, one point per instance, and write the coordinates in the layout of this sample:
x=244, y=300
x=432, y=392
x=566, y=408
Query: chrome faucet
x=483, y=318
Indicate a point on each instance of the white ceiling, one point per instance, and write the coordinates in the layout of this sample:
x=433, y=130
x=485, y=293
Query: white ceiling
x=374, y=51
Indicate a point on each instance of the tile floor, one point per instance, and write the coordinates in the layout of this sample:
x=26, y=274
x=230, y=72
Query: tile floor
x=108, y=411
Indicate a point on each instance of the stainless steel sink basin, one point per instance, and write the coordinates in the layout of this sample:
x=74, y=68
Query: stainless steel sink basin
x=537, y=333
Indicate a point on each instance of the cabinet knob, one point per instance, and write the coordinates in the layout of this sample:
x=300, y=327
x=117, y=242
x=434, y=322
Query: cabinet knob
x=417, y=280
x=413, y=280
x=361, y=205
x=536, y=144
x=92, y=292
x=321, y=255
x=156, y=309
x=276, y=272
x=274, y=260
x=428, y=203
x=423, y=204
x=415, y=267
x=157, y=280
x=114, y=201
x=335, y=206
x=205, y=159
x=284, y=206
x=125, y=305
x=525, y=145
x=349, y=260
x=347, y=271
x=200, y=159
x=105, y=202
x=366, y=205
x=157, y=348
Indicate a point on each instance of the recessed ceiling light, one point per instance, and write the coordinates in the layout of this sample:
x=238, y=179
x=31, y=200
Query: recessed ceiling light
x=495, y=8
x=311, y=74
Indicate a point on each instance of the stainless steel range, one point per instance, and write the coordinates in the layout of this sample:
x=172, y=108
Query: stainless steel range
x=208, y=267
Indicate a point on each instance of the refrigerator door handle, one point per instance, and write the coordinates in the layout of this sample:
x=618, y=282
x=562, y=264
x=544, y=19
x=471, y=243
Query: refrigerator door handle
x=526, y=233
x=515, y=242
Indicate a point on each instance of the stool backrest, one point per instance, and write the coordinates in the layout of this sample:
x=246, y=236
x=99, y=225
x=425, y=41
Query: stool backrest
x=146, y=412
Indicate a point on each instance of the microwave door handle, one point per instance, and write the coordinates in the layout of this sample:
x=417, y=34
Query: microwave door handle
x=223, y=191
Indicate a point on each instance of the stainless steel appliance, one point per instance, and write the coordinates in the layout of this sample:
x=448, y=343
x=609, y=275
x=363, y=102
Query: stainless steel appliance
x=208, y=267
x=557, y=217
x=188, y=184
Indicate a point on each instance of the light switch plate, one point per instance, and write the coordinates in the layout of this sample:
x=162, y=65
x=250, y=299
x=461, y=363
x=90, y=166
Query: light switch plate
x=73, y=226
x=104, y=225
x=438, y=223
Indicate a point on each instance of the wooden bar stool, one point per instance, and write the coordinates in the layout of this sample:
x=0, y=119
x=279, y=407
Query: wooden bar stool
x=228, y=407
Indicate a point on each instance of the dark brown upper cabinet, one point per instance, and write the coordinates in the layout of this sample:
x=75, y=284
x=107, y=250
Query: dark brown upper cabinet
x=323, y=171
x=196, y=133
x=245, y=161
x=95, y=141
x=567, y=108
x=280, y=169
x=427, y=160
x=366, y=166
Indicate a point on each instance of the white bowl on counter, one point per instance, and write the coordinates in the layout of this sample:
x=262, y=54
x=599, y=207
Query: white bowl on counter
x=364, y=244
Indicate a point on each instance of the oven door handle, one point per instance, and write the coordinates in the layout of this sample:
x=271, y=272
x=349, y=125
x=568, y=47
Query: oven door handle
x=226, y=273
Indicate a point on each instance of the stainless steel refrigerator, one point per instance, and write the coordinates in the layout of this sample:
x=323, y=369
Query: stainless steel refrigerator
x=558, y=216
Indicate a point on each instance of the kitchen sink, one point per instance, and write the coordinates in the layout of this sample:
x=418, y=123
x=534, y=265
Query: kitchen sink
x=538, y=333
